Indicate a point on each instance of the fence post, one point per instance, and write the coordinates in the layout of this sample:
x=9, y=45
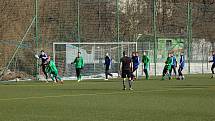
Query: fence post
x=202, y=58
x=37, y=36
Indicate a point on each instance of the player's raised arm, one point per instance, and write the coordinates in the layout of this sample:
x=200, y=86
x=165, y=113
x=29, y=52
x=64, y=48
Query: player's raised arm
x=131, y=66
x=120, y=67
x=74, y=61
x=36, y=56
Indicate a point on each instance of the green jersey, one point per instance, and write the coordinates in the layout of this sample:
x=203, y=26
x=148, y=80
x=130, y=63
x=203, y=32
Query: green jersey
x=51, y=67
x=145, y=59
x=52, y=70
x=168, y=63
x=79, y=62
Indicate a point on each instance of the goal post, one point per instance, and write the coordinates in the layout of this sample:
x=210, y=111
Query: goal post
x=93, y=54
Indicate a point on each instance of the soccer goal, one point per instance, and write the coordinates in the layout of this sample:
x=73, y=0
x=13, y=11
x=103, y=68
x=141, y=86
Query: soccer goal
x=93, y=55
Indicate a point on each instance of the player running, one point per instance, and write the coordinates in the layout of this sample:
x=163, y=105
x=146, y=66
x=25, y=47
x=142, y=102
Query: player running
x=51, y=69
x=107, y=66
x=146, y=61
x=167, y=67
x=136, y=62
x=181, y=67
x=173, y=65
x=79, y=64
x=213, y=65
x=126, y=70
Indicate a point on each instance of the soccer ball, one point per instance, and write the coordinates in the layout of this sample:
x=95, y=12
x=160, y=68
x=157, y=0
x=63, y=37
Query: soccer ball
x=183, y=77
x=17, y=79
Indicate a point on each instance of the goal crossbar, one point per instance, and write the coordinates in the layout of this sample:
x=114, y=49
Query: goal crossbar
x=93, y=43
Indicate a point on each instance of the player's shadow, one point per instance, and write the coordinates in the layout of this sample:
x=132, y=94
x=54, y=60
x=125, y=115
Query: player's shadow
x=88, y=89
x=8, y=84
x=104, y=81
x=191, y=86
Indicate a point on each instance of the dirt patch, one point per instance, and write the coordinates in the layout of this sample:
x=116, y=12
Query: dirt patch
x=10, y=75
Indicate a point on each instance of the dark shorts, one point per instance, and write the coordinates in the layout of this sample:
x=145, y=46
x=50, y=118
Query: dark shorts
x=173, y=66
x=107, y=67
x=167, y=67
x=134, y=69
x=126, y=73
x=213, y=66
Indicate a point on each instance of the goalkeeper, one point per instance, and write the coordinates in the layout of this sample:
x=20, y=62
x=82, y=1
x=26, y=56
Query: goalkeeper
x=51, y=69
x=167, y=67
x=146, y=61
x=79, y=64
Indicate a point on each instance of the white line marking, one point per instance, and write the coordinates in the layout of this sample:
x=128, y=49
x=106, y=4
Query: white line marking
x=96, y=94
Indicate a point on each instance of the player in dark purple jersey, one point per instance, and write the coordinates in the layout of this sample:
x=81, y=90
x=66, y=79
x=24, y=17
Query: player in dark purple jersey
x=44, y=57
x=126, y=68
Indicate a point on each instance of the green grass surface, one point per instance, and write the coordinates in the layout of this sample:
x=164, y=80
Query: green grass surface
x=192, y=99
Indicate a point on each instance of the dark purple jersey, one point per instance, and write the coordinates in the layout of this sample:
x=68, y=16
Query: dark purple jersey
x=126, y=62
x=44, y=58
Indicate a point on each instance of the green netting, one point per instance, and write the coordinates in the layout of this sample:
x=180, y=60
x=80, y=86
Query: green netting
x=17, y=22
x=158, y=26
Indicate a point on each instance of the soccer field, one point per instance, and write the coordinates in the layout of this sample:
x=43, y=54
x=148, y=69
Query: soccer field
x=192, y=99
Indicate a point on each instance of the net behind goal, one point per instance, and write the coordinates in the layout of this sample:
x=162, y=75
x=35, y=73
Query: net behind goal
x=93, y=55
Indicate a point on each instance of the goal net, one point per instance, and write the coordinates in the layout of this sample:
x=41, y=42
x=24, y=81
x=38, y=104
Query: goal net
x=93, y=55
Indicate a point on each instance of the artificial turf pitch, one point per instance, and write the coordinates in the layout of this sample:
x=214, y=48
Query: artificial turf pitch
x=192, y=99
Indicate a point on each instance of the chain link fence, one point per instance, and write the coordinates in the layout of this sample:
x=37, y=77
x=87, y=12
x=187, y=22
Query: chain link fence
x=26, y=27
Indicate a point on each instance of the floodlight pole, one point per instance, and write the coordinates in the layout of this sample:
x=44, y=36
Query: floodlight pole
x=189, y=33
x=117, y=30
x=78, y=26
x=155, y=34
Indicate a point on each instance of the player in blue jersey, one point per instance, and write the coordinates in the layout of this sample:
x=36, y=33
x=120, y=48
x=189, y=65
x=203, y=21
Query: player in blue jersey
x=213, y=65
x=107, y=66
x=136, y=62
x=173, y=65
x=181, y=67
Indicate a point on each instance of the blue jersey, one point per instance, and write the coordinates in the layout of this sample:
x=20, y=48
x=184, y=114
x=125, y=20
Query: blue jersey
x=174, y=61
x=107, y=61
x=182, y=61
x=136, y=61
x=213, y=59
